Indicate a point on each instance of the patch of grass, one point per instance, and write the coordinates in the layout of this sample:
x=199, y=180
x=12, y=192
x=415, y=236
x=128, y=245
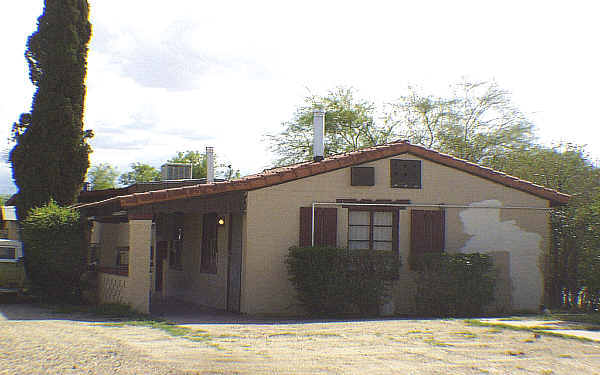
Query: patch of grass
x=466, y=334
x=281, y=334
x=229, y=337
x=536, y=329
x=588, y=318
x=434, y=342
x=170, y=328
x=306, y=334
x=106, y=310
x=215, y=345
x=321, y=334
x=493, y=330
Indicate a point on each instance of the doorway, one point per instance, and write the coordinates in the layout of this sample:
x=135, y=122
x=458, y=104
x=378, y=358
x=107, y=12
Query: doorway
x=234, y=268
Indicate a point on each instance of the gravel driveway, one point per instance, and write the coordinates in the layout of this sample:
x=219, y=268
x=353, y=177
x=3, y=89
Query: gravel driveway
x=34, y=341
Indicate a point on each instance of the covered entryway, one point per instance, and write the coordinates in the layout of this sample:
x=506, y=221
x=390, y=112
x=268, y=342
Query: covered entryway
x=188, y=250
x=198, y=257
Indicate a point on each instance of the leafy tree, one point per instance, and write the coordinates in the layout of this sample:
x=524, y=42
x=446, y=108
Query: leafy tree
x=196, y=158
x=103, y=176
x=198, y=161
x=477, y=122
x=50, y=158
x=140, y=173
x=349, y=125
x=575, y=253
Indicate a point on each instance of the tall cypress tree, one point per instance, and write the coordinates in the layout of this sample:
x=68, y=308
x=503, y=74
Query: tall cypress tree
x=50, y=157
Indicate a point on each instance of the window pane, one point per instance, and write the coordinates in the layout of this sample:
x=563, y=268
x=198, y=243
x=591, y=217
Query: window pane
x=358, y=245
x=358, y=233
x=382, y=218
x=7, y=252
x=382, y=233
x=382, y=245
x=359, y=218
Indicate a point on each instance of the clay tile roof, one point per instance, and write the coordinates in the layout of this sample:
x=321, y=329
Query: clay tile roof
x=284, y=174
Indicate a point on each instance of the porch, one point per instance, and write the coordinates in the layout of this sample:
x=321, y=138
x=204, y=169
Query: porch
x=185, y=250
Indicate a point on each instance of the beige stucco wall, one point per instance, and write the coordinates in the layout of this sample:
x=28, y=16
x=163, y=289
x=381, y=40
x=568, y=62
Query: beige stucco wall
x=273, y=226
x=133, y=289
x=12, y=230
x=109, y=237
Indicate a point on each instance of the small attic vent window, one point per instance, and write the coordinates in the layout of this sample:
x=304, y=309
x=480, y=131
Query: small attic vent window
x=405, y=173
x=362, y=176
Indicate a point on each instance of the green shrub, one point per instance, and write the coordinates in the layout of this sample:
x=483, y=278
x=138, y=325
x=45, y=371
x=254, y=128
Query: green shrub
x=336, y=281
x=454, y=284
x=55, y=251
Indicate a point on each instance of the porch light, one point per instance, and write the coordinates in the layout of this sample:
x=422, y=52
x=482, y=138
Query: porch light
x=221, y=221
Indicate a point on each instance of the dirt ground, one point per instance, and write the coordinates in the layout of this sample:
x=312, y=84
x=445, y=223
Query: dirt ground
x=34, y=341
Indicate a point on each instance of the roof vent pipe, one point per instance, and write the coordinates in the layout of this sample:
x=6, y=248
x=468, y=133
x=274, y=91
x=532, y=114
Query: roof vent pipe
x=319, y=134
x=210, y=165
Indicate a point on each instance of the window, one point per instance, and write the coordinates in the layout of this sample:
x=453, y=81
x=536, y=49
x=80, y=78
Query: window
x=405, y=173
x=94, y=253
x=8, y=253
x=373, y=230
x=362, y=176
x=208, y=261
x=122, y=263
x=175, y=256
x=176, y=243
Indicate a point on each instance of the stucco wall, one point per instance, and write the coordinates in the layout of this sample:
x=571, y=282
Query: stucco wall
x=133, y=289
x=110, y=236
x=273, y=226
x=12, y=230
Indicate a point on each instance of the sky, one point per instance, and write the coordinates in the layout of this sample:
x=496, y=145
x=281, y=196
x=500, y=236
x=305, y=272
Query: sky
x=185, y=74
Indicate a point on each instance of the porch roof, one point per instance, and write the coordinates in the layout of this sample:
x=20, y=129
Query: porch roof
x=284, y=174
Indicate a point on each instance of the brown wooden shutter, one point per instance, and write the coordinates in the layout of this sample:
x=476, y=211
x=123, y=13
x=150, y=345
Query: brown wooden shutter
x=325, y=226
x=305, y=226
x=405, y=173
x=362, y=176
x=438, y=230
x=418, y=243
x=427, y=232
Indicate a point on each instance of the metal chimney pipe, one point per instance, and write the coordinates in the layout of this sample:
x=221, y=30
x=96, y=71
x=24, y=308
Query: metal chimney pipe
x=319, y=134
x=210, y=165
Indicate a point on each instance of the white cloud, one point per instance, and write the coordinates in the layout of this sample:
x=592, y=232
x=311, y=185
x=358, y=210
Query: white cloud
x=166, y=77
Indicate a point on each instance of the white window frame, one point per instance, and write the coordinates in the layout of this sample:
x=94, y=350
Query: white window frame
x=17, y=245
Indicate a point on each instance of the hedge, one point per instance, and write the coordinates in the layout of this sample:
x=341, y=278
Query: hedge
x=55, y=251
x=454, y=284
x=332, y=281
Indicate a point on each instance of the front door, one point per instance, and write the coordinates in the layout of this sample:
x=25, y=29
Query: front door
x=234, y=269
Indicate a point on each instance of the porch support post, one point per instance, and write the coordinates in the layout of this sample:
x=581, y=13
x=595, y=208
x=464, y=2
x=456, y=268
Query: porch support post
x=140, y=237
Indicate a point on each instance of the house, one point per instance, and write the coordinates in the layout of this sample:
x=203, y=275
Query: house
x=223, y=244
